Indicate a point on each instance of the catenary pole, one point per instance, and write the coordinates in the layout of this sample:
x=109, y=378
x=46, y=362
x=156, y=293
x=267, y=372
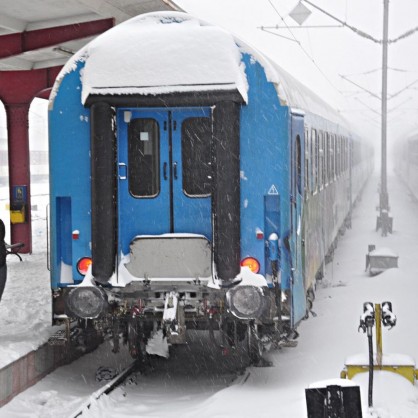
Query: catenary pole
x=384, y=197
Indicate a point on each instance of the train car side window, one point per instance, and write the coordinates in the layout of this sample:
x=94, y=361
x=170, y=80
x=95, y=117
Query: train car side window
x=345, y=154
x=337, y=156
x=321, y=161
x=314, y=154
x=326, y=158
x=332, y=157
x=307, y=163
x=298, y=161
x=196, y=141
x=144, y=158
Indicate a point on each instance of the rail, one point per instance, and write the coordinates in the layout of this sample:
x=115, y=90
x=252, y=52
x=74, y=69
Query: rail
x=107, y=388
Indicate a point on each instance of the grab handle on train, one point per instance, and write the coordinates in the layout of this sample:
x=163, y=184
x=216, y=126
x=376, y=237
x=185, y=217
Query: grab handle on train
x=165, y=171
x=175, y=170
x=273, y=244
x=122, y=171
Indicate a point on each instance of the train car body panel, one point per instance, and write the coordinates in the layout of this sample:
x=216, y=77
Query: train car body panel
x=70, y=186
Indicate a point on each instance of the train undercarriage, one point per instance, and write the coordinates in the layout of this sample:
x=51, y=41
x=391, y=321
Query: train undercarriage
x=135, y=317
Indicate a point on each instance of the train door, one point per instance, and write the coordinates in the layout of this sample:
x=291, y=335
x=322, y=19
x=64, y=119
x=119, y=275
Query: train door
x=297, y=180
x=164, y=172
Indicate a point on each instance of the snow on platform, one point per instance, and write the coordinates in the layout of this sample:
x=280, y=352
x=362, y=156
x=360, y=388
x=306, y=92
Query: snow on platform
x=25, y=308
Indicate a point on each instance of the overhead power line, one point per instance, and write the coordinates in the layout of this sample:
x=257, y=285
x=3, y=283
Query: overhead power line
x=300, y=46
x=354, y=29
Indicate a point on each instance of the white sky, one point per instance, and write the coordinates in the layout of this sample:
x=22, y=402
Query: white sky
x=334, y=51
x=325, y=53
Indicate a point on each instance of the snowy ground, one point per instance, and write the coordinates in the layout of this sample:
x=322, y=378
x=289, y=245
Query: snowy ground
x=25, y=308
x=194, y=386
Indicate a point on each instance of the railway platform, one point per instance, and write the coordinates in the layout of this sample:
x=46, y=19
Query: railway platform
x=25, y=311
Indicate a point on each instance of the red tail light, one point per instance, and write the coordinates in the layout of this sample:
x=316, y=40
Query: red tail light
x=252, y=263
x=83, y=265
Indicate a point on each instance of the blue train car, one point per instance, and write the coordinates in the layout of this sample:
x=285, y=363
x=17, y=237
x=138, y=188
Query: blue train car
x=194, y=184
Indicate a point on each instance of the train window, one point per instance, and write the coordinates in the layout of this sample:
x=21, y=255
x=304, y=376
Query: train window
x=343, y=154
x=321, y=161
x=324, y=159
x=332, y=158
x=325, y=162
x=329, y=158
x=345, y=162
x=298, y=160
x=196, y=156
x=337, y=156
x=144, y=158
x=314, y=159
x=307, y=162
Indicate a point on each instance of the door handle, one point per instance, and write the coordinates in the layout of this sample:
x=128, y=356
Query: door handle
x=165, y=171
x=175, y=170
x=123, y=170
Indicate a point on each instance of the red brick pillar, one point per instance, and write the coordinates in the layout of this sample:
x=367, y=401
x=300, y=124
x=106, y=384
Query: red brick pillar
x=19, y=167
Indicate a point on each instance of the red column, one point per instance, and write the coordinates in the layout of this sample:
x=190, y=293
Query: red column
x=17, y=89
x=19, y=167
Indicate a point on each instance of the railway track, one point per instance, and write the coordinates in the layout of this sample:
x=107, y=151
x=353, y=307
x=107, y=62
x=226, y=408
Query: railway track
x=194, y=373
x=107, y=388
x=240, y=377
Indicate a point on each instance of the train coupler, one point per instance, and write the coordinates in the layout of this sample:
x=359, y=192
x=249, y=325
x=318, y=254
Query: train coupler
x=174, y=319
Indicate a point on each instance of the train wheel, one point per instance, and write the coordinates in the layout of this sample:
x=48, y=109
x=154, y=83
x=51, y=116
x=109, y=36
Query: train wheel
x=255, y=345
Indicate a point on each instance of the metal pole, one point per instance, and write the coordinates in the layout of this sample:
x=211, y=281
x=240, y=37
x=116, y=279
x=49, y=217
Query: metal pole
x=384, y=197
x=379, y=346
x=371, y=364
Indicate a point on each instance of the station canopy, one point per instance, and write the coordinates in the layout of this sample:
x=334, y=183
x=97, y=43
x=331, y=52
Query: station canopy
x=28, y=28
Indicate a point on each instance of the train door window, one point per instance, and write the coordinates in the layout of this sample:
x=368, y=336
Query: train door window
x=307, y=162
x=144, y=158
x=314, y=160
x=196, y=156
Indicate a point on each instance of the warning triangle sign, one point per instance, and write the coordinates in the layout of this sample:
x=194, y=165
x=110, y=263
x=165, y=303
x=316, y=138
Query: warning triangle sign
x=273, y=190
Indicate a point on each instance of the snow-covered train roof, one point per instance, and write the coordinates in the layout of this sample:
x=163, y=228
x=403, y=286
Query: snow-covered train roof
x=173, y=52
